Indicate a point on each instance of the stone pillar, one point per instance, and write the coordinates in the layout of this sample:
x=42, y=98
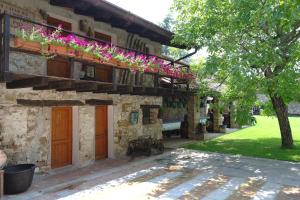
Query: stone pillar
x=193, y=118
x=216, y=111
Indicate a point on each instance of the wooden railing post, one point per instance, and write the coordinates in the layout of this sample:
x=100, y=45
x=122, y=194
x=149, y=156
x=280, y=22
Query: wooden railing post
x=114, y=79
x=72, y=68
x=5, y=46
x=1, y=183
x=156, y=82
x=172, y=85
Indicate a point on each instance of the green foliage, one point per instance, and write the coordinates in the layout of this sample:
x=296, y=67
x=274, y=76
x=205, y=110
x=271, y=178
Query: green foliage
x=260, y=140
x=253, y=45
x=168, y=24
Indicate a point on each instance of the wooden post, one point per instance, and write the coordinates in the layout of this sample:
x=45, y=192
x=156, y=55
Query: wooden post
x=114, y=79
x=72, y=66
x=5, y=47
x=1, y=183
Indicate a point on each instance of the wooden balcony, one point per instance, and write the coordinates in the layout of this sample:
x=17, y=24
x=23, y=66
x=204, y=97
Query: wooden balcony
x=111, y=78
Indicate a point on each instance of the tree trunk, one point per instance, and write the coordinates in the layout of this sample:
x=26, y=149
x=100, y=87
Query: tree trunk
x=284, y=124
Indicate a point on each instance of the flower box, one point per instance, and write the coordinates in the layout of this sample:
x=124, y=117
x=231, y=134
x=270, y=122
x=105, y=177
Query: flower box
x=57, y=49
x=27, y=45
x=71, y=52
x=89, y=57
x=122, y=65
x=118, y=63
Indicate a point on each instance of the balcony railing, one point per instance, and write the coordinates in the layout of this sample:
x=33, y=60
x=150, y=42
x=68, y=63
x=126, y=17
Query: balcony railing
x=122, y=81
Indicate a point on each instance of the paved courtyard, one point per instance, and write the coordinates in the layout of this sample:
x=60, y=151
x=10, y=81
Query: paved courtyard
x=180, y=174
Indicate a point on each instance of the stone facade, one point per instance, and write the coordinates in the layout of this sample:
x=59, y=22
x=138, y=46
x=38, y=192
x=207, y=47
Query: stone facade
x=25, y=132
x=293, y=107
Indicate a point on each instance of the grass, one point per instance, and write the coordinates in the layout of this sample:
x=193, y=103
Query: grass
x=262, y=140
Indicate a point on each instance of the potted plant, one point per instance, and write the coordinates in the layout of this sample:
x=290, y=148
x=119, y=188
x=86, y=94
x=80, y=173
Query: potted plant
x=57, y=43
x=32, y=40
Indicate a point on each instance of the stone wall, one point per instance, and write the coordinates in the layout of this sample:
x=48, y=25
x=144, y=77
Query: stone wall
x=25, y=132
x=86, y=119
x=125, y=131
x=294, y=108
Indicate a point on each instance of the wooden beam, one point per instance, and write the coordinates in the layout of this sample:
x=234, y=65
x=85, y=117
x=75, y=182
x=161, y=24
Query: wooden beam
x=98, y=102
x=104, y=88
x=58, y=85
x=29, y=102
x=28, y=82
x=86, y=87
x=150, y=106
x=64, y=85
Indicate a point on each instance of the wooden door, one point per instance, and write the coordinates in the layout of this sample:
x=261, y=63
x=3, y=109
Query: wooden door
x=101, y=133
x=61, y=141
x=59, y=67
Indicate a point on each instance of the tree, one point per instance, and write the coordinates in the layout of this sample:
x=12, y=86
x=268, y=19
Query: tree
x=168, y=24
x=253, y=45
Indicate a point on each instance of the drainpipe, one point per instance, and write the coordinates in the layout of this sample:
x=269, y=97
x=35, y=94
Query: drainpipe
x=186, y=56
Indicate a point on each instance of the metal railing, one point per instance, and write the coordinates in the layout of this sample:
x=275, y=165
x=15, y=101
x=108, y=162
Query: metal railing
x=6, y=35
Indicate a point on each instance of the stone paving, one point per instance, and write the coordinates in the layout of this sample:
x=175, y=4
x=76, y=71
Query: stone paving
x=179, y=174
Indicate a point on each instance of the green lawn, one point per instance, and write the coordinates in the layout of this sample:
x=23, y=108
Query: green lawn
x=261, y=140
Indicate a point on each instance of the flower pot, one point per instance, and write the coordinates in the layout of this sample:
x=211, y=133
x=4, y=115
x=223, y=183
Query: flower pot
x=27, y=45
x=18, y=178
x=57, y=49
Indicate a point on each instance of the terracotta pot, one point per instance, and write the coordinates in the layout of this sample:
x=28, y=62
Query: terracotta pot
x=27, y=45
x=60, y=50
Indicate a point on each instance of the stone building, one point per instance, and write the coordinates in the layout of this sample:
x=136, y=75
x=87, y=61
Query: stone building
x=293, y=107
x=62, y=111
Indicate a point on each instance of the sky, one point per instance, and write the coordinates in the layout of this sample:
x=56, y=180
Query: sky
x=152, y=10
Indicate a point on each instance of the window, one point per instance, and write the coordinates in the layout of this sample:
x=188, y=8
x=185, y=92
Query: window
x=103, y=37
x=150, y=113
x=146, y=115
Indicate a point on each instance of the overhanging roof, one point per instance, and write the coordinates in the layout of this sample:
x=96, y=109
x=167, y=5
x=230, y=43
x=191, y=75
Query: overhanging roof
x=104, y=11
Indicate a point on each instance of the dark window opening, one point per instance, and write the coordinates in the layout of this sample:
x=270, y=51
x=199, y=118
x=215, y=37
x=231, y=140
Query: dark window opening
x=150, y=113
x=103, y=37
x=146, y=116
